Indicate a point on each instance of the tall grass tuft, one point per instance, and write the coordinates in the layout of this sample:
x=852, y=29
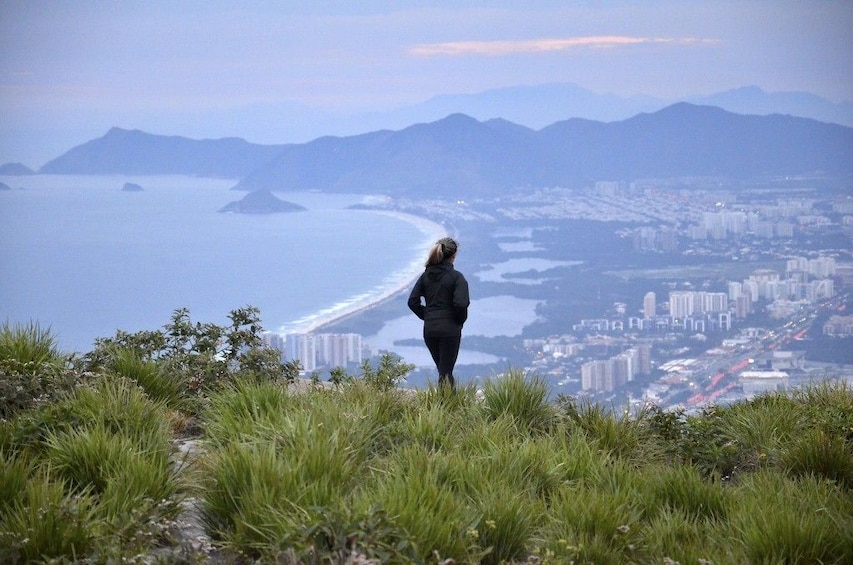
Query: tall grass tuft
x=783, y=520
x=620, y=435
x=157, y=383
x=240, y=409
x=15, y=472
x=122, y=408
x=684, y=538
x=817, y=453
x=594, y=525
x=32, y=370
x=28, y=344
x=508, y=520
x=421, y=489
x=47, y=522
x=683, y=488
x=523, y=398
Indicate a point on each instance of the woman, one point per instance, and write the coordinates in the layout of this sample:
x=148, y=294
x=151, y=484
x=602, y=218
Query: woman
x=444, y=308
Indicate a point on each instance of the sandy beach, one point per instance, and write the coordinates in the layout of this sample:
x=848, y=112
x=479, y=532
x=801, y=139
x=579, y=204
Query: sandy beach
x=396, y=283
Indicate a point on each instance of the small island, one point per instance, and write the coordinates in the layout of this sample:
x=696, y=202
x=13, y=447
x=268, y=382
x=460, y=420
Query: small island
x=131, y=187
x=15, y=170
x=261, y=202
x=4, y=186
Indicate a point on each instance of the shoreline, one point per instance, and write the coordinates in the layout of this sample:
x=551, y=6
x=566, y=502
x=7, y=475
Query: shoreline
x=432, y=232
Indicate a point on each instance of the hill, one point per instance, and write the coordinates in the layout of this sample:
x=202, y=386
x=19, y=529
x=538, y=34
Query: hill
x=134, y=152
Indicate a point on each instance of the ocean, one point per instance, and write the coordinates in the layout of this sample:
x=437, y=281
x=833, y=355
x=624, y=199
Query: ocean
x=85, y=258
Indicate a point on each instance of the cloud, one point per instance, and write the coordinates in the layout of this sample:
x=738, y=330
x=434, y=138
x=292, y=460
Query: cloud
x=498, y=48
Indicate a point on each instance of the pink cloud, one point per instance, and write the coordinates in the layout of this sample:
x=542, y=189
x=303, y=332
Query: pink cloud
x=497, y=48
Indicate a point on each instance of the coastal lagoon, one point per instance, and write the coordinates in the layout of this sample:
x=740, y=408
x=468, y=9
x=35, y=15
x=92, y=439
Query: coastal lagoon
x=85, y=258
x=489, y=317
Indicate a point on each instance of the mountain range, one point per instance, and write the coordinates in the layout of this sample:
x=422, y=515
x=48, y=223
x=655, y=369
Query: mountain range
x=459, y=156
x=537, y=106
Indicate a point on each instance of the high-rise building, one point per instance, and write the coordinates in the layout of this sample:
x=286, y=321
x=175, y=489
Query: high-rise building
x=302, y=348
x=649, y=305
x=597, y=376
x=644, y=359
x=681, y=304
x=338, y=350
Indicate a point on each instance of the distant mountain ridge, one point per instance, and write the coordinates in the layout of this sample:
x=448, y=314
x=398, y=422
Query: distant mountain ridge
x=139, y=153
x=459, y=156
x=537, y=106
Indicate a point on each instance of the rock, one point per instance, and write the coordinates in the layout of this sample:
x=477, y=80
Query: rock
x=261, y=202
x=4, y=186
x=131, y=187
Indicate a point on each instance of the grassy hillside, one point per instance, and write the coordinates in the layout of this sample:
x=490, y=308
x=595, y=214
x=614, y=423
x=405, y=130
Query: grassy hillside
x=194, y=444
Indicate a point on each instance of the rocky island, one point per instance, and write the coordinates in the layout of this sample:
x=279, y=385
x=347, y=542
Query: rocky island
x=131, y=187
x=15, y=170
x=261, y=202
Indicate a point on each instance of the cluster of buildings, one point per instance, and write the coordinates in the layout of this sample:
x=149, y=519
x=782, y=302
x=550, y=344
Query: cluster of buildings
x=839, y=326
x=805, y=280
x=609, y=374
x=318, y=351
x=725, y=224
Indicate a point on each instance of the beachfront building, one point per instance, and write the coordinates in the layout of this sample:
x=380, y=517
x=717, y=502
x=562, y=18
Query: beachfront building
x=316, y=351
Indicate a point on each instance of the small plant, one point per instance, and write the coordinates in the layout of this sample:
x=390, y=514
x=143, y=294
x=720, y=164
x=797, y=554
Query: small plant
x=389, y=373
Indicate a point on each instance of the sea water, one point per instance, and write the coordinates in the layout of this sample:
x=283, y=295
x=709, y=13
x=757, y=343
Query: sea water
x=85, y=258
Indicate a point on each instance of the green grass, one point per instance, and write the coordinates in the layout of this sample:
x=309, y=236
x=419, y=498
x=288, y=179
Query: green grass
x=363, y=470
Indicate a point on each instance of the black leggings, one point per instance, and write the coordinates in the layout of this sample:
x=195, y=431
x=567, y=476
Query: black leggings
x=444, y=351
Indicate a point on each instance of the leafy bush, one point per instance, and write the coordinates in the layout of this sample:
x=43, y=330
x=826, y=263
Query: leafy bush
x=197, y=357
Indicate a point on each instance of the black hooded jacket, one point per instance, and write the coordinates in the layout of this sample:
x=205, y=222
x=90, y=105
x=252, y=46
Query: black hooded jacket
x=445, y=292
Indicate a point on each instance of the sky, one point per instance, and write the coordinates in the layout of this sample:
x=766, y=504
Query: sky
x=278, y=72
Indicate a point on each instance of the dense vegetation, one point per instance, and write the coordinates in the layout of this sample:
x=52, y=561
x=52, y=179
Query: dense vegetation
x=123, y=453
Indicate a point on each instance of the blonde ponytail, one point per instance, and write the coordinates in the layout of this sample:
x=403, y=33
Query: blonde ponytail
x=444, y=248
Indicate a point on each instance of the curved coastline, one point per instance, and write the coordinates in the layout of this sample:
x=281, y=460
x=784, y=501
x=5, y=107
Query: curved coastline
x=394, y=284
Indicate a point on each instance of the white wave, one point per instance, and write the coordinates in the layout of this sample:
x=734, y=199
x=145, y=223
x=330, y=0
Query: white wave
x=392, y=284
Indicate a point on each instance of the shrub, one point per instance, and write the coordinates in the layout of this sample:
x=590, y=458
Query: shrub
x=201, y=357
x=390, y=371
